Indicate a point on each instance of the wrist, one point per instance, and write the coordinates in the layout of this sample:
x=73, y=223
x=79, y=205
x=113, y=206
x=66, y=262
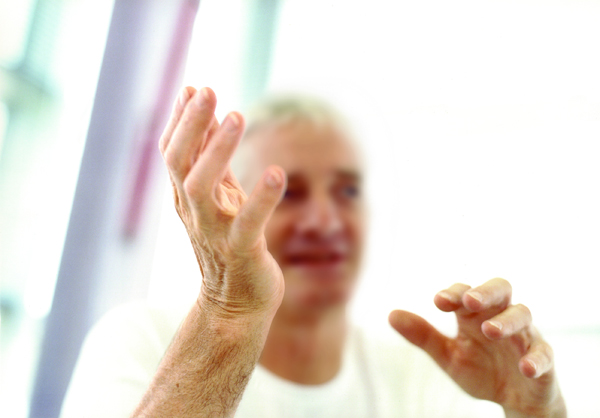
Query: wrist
x=235, y=320
x=241, y=292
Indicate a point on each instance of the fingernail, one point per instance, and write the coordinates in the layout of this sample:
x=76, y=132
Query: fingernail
x=477, y=296
x=232, y=122
x=203, y=96
x=445, y=295
x=273, y=179
x=204, y=92
x=496, y=325
x=184, y=96
x=534, y=366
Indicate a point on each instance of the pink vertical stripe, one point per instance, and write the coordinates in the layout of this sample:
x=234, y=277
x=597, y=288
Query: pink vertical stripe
x=174, y=67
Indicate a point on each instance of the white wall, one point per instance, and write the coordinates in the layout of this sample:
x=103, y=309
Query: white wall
x=486, y=115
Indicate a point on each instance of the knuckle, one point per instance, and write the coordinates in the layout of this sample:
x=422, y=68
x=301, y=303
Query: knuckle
x=504, y=283
x=191, y=188
x=163, y=142
x=198, y=193
x=171, y=159
x=459, y=288
x=544, y=355
x=176, y=165
x=524, y=310
x=548, y=352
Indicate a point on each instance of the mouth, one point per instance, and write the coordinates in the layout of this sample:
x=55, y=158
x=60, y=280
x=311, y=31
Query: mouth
x=318, y=264
x=316, y=259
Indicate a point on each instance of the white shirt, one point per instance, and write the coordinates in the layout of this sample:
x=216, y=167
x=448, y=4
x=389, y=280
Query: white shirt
x=381, y=376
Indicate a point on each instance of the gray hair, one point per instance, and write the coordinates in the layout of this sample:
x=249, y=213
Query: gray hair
x=289, y=108
x=285, y=109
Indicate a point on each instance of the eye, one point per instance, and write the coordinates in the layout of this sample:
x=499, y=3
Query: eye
x=294, y=193
x=350, y=191
x=347, y=191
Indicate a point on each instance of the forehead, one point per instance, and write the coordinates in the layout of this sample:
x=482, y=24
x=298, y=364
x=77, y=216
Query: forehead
x=305, y=149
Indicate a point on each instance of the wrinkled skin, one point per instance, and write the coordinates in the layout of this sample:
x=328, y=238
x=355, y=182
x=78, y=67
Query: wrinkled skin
x=225, y=226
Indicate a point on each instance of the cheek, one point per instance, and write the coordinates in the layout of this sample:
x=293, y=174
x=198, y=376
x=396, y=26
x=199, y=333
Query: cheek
x=357, y=227
x=275, y=232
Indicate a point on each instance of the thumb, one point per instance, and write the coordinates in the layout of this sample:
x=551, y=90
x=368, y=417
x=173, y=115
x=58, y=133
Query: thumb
x=251, y=220
x=422, y=334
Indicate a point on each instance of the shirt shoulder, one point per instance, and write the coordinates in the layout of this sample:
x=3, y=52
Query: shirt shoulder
x=118, y=360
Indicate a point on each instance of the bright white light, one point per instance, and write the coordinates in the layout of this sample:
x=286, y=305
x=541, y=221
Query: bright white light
x=3, y=124
x=14, y=24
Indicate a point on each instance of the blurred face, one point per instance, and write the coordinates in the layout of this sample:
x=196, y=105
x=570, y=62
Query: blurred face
x=317, y=231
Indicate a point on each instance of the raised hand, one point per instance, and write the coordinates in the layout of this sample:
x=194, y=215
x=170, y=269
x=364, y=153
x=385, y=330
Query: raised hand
x=209, y=362
x=225, y=226
x=497, y=354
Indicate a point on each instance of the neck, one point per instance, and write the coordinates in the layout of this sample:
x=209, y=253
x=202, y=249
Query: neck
x=303, y=349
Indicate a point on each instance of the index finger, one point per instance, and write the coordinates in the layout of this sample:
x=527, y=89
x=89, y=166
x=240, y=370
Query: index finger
x=493, y=293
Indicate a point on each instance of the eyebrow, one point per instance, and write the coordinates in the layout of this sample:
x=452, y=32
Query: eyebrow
x=349, y=175
x=343, y=174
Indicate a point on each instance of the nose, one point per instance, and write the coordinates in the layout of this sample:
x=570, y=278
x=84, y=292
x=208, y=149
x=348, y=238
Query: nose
x=320, y=217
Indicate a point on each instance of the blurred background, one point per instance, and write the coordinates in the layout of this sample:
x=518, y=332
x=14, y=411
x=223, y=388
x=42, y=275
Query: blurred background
x=479, y=120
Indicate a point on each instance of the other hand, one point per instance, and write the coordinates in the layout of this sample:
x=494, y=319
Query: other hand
x=497, y=354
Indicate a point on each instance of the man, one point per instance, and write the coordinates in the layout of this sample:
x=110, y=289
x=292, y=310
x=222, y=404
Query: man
x=279, y=266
